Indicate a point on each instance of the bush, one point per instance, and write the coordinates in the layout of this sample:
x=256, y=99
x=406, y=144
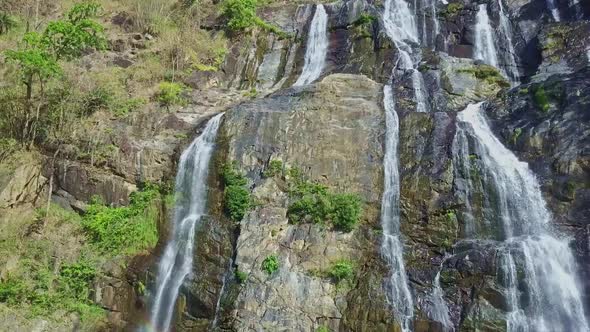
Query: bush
x=170, y=94
x=541, y=99
x=237, y=201
x=345, y=211
x=12, y=291
x=341, y=270
x=240, y=14
x=313, y=202
x=270, y=264
x=75, y=279
x=275, y=168
x=127, y=229
x=241, y=276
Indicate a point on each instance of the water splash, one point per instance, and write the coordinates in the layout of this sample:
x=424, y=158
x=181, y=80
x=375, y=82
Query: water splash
x=398, y=290
x=317, y=48
x=522, y=225
x=190, y=206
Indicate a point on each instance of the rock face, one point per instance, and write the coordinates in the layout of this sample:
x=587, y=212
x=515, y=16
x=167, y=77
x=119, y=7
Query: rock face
x=332, y=131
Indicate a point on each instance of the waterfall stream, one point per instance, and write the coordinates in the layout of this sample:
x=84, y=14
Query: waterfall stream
x=190, y=206
x=485, y=48
x=439, y=311
x=400, y=25
x=537, y=267
x=317, y=48
x=399, y=293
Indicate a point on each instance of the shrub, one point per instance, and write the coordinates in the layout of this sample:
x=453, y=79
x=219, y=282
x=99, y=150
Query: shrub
x=275, y=167
x=346, y=211
x=170, y=94
x=237, y=200
x=451, y=11
x=6, y=23
x=127, y=229
x=241, y=14
x=270, y=264
x=241, y=276
x=313, y=202
x=364, y=20
x=341, y=270
x=75, y=279
x=12, y=291
x=541, y=99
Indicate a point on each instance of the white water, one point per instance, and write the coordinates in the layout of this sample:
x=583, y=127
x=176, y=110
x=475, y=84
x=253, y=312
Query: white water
x=553, y=297
x=190, y=206
x=440, y=311
x=506, y=29
x=485, y=49
x=554, y=11
x=400, y=27
x=317, y=48
x=391, y=247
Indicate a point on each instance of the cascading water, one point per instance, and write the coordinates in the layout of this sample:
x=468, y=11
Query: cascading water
x=190, y=206
x=554, y=10
x=485, y=49
x=400, y=26
x=544, y=294
x=506, y=29
x=317, y=48
x=391, y=246
x=439, y=311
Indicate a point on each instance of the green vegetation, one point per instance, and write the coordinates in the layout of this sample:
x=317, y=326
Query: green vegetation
x=364, y=20
x=270, y=264
x=322, y=328
x=451, y=10
x=275, y=168
x=170, y=94
x=237, y=200
x=515, y=135
x=313, y=202
x=541, y=100
x=127, y=229
x=341, y=270
x=488, y=74
x=241, y=14
x=7, y=23
x=241, y=276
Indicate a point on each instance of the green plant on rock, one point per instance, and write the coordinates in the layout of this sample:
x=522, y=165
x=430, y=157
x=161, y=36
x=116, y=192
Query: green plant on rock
x=341, y=270
x=75, y=279
x=314, y=202
x=275, y=167
x=488, y=74
x=237, y=198
x=270, y=264
x=515, y=135
x=322, y=328
x=451, y=10
x=241, y=14
x=127, y=229
x=364, y=20
x=541, y=100
x=170, y=94
x=12, y=291
x=6, y=23
x=241, y=276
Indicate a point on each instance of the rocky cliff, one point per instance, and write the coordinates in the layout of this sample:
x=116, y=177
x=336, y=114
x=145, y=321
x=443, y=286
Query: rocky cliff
x=333, y=131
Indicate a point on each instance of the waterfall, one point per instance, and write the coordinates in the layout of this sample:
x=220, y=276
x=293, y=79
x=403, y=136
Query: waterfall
x=545, y=294
x=512, y=68
x=400, y=27
x=190, y=206
x=398, y=290
x=439, y=310
x=485, y=49
x=317, y=48
x=553, y=9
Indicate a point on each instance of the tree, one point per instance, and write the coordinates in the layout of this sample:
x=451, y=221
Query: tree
x=38, y=56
